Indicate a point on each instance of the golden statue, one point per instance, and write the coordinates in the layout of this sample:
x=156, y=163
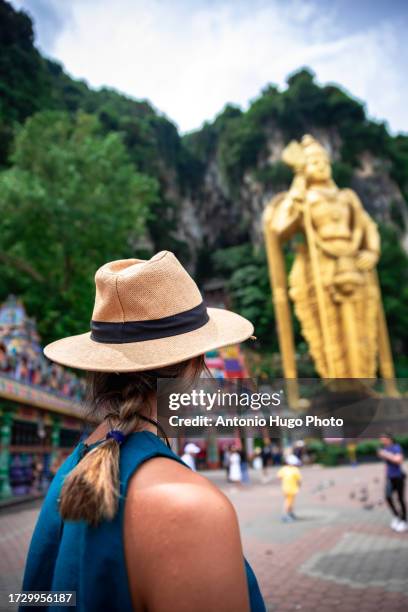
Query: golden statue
x=333, y=282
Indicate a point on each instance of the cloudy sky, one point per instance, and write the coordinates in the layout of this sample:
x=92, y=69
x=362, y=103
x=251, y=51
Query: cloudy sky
x=191, y=57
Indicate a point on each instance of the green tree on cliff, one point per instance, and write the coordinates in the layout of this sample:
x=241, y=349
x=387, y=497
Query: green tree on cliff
x=70, y=202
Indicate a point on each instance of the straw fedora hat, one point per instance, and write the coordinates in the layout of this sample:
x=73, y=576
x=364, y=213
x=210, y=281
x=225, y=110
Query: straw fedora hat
x=147, y=315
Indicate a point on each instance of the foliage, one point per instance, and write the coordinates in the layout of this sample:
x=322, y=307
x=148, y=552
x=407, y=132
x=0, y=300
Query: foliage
x=162, y=223
x=70, y=202
x=202, y=143
x=248, y=285
x=403, y=441
x=342, y=174
x=316, y=446
x=23, y=82
x=326, y=454
x=246, y=270
x=399, y=158
x=366, y=448
x=239, y=148
x=333, y=454
x=276, y=176
x=393, y=275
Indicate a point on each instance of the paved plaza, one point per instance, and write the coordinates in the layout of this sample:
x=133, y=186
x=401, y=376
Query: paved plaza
x=339, y=555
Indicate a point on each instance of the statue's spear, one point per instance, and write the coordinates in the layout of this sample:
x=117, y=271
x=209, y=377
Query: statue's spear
x=277, y=275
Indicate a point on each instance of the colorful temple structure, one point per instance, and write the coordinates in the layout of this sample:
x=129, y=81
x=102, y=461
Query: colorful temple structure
x=227, y=363
x=41, y=417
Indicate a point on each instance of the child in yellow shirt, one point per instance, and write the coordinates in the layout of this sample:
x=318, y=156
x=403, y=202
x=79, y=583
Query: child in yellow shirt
x=291, y=481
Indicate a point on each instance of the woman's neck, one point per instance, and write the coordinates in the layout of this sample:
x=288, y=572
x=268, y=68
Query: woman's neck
x=148, y=412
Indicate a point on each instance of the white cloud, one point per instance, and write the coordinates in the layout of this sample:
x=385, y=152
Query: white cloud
x=190, y=58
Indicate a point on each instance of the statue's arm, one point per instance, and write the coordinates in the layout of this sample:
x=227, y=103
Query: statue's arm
x=282, y=216
x=372, y=235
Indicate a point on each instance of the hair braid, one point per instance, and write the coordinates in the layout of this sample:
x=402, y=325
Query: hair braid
x=91, y=490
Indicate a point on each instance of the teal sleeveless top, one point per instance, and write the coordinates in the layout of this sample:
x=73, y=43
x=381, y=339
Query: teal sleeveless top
x=73, y=556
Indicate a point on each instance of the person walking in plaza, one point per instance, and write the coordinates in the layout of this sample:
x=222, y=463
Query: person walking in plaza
x=257, y=460
x=276, y=454
x=244, y=465
x=392, y=454
x=266, y=457
x=291, y=479
x=190, y=451
x=235, y=470
x=125, y=524
x=226, y=460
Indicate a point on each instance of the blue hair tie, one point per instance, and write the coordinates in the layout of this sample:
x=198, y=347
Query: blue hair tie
x=117, y=435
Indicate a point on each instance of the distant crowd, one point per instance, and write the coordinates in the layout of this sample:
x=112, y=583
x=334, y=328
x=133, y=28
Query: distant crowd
x=35, y=370
x=236, y=462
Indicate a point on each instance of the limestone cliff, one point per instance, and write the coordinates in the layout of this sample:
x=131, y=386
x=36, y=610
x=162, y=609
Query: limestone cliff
x=225, y=207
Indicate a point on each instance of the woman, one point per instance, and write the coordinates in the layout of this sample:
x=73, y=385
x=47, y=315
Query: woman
x=235, y=471
x=125, y=524
x=392, y=454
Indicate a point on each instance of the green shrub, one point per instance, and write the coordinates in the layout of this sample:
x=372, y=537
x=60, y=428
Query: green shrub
x=277, y=175
x=367, y=447
x=332, y=455
x=403, y=441
x=316, y=446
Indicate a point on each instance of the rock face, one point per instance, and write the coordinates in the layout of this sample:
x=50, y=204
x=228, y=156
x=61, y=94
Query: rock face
x=217, y=214
x=381, y=195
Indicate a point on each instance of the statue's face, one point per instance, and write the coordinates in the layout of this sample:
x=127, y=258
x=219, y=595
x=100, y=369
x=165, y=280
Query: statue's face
x=318, y=168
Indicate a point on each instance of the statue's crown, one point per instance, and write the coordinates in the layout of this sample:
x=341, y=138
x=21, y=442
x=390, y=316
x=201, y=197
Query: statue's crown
x=296, y=153
x=312, y=147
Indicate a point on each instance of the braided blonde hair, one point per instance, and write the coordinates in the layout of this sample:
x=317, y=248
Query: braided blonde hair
x=91, y=490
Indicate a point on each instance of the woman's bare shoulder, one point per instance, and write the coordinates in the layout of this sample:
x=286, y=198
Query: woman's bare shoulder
x=181, y=534
x=165, y=481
